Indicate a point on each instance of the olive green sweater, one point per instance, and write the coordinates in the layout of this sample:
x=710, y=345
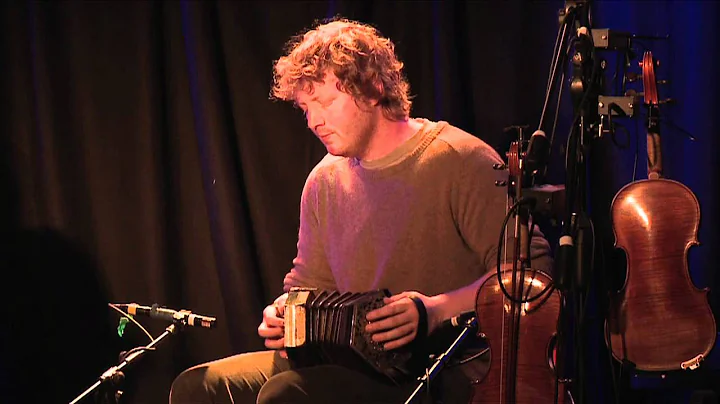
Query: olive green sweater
x=427, y=217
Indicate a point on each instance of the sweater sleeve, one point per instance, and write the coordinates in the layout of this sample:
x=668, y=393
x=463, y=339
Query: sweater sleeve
x=481, y=207
x=310, y=265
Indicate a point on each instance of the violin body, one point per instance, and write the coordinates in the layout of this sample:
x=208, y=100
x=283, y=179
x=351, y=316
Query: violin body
x=659, y=321
x=532, y=380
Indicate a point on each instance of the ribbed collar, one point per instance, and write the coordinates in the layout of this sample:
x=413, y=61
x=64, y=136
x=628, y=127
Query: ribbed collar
x=410, y=148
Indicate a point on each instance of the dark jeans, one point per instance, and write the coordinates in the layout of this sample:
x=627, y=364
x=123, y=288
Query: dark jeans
x=265, y=377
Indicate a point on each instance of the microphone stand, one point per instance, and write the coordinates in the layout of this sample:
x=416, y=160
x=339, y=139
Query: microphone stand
x=439, y=364
x=577, y=241
x=108, y=383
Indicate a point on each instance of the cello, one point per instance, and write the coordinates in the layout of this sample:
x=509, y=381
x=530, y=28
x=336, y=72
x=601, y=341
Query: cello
x=658, y=320
x=517, y=315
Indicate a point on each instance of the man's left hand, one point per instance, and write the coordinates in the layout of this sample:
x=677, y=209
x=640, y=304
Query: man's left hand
x=396, y=323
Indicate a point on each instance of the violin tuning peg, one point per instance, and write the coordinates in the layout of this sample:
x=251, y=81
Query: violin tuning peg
x=657, y=62
x=499, y=166
x=500, y=183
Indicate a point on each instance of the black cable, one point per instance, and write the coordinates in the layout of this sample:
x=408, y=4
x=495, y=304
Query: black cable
x=501, y=242
x=592, y=263
x=555, y=122
x=613, y=125
x=132, y=351
x=559, y=100
x=570, y=190
x=130, y=318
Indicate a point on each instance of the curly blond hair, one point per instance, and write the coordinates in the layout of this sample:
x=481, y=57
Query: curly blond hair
x=364, y=62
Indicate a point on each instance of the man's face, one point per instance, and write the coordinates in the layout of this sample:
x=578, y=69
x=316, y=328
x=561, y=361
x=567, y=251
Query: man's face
x=337, y=119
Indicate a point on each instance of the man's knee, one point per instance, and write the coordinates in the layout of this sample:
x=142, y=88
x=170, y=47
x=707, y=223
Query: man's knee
x=209, y=383
x=236, y=378
x=286, y=387
x=327, y=384
x=187, y=384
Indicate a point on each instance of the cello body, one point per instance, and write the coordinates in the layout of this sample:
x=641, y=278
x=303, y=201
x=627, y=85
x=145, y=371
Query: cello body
x=659, y=320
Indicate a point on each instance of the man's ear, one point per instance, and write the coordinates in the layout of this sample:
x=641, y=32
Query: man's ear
x=380, y=90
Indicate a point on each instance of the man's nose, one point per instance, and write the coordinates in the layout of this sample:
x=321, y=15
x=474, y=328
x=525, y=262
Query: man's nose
x=314, y=120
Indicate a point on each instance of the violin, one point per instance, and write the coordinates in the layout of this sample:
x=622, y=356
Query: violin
x=658, y=320
x=517, y=315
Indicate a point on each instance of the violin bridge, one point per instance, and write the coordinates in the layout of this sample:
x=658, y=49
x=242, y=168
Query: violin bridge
x=693, y=363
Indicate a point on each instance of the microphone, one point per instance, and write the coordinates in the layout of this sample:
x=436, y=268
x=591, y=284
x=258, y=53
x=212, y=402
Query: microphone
x=182, y=316
x=538, y=152
x=460, y=320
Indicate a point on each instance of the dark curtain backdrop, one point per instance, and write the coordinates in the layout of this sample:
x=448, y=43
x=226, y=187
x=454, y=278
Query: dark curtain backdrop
x=142, y=160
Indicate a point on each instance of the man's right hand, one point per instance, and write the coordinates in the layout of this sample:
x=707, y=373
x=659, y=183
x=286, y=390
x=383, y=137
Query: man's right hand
x=272, y=327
